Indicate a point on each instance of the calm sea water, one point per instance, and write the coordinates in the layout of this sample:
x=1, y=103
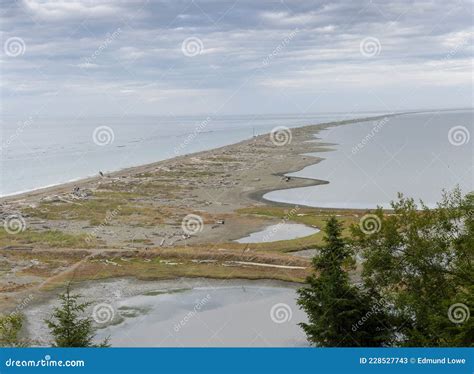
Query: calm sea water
x=212, y=317
x=370, y=163
x=418, y=155
x=38, y=152
x=182, y=313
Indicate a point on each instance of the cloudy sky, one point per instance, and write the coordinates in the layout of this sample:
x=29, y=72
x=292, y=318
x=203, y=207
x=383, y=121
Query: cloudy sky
x=234, y=57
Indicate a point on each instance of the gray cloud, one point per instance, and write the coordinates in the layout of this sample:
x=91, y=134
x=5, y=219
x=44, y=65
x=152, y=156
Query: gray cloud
x=107, y=57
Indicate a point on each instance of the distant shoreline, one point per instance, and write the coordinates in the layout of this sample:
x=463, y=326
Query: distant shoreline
x=214, y=184
x=92, y=228
x=258, y=195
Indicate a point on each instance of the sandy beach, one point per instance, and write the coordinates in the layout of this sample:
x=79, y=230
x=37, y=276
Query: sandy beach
x=133, y=222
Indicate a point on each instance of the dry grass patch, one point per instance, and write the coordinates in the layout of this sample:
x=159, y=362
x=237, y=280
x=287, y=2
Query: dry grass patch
x=45, y=238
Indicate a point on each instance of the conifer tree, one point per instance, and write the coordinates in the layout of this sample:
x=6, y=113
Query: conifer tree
x=67, y=326
x=422, y=260
x=339, y=313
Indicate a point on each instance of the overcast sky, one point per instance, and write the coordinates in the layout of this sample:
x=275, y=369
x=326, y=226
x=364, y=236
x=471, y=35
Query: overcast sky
x=234, y=57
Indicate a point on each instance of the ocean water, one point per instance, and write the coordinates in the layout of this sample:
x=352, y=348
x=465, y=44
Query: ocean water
x=39, y=152
x=418, y=155
x=369, y=164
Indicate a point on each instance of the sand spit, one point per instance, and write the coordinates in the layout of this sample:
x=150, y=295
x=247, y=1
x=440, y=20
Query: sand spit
x=170, y=219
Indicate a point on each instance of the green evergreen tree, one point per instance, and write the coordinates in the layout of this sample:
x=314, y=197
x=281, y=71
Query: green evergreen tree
x=68, y=328
x=421, y=260
x=340, y=314
x=10, y=327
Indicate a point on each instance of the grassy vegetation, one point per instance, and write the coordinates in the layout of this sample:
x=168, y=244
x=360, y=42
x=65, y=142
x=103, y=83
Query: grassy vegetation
x=122, y=203
x=309, y=216
x=47, y=238
x=137, y=189
x=157, y=268
x=43, y=264
x=109, y=207
x=156, y=264
x=103, y=208
x=188, y=173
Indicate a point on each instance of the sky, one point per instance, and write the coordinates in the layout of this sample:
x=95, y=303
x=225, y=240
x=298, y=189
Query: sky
x=117, y=58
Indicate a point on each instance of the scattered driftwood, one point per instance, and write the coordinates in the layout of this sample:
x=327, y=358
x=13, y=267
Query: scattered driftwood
x=237, y=263
x=17, y=248
x=204, y=261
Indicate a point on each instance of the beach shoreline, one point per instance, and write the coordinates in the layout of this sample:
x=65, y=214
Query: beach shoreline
x=130, y=223
x=83, y=181
x=214, y=183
